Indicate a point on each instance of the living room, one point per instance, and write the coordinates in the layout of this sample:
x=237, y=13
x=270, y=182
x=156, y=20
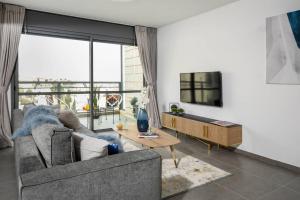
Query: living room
x=103, y=100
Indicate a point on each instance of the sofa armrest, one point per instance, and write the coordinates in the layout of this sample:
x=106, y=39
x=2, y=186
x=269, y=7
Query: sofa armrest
x=27, y=156
x=127, y=176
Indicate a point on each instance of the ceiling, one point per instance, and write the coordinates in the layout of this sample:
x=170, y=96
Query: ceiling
x=155, y=13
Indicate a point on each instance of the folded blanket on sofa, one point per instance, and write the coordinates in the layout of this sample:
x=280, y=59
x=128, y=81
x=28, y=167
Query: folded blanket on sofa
x=35, y=117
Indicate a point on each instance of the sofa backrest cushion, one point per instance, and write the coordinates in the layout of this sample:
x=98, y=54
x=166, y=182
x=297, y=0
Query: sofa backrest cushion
x=55, y=144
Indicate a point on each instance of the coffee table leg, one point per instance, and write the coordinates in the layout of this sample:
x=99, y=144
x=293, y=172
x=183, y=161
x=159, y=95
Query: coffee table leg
x=173, y=155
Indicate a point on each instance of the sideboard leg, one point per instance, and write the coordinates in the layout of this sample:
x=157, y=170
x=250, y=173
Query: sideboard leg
x=209, y=145
x=209, y=148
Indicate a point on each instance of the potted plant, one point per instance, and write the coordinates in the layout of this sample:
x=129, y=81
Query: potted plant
x=95, y=104
x=180, y=111
x=174, y=108
x=74, y=106
x=134, y=105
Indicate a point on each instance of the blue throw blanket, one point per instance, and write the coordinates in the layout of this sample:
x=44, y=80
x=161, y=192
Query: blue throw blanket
x=112, y=138
x=34, y=117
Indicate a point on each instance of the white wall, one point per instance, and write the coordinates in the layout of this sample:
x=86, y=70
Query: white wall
x=232, y=39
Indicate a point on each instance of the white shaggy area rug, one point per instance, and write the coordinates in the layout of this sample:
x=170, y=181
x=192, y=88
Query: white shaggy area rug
x=191, y=172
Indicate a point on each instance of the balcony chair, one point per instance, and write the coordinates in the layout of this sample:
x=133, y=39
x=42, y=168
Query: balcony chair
x=114, y=101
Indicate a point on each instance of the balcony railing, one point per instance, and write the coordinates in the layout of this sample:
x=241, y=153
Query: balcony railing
x=75, y=95
x=72, y=94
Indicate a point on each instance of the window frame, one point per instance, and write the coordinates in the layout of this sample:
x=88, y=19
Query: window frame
x=15, y=80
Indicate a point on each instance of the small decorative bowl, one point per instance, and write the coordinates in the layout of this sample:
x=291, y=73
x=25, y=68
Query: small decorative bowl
x=119, y=126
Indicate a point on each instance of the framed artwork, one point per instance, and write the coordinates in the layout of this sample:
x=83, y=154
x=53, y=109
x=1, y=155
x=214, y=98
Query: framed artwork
x=283, y=49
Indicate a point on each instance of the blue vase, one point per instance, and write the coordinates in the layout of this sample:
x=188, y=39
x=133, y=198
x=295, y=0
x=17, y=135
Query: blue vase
x=142, y=120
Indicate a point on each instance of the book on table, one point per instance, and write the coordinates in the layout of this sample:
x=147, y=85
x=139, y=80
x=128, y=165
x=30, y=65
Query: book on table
x=223, y=123
x=147, y=135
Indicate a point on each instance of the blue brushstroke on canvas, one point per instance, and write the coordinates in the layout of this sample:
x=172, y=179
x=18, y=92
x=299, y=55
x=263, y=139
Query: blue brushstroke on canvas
x=294, y=18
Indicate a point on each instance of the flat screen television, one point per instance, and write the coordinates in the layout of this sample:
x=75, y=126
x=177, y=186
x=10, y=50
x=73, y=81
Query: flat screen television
x=201, y=88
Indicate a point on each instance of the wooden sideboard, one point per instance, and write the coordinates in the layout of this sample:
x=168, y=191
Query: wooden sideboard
x=203, y=129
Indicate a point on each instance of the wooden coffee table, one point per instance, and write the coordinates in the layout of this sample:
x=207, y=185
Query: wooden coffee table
x=164, y=139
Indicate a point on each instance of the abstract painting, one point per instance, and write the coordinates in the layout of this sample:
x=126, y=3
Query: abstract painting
x=283, y=48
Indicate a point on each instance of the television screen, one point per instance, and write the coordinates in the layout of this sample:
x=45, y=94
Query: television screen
x=201, y=88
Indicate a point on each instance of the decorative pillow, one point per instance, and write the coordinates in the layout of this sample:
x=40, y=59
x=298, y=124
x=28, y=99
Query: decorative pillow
x=87, y=147
x=69, y=119
x=55, y=144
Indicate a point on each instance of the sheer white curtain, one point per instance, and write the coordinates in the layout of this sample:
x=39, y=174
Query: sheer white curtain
x=147, y=44
x=11, y=22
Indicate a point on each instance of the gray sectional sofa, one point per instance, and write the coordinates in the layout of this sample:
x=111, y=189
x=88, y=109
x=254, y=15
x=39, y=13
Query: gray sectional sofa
x=126, y=176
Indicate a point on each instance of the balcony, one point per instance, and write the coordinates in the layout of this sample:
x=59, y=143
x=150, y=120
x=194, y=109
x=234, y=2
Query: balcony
x=110, y=103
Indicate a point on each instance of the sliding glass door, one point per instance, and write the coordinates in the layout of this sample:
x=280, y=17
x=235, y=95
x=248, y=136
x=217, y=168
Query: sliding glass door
x=107, y=79
x=54, y=71
x=117, y=82
x=100, y=82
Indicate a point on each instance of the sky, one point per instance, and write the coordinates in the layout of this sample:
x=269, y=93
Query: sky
x=57, y=58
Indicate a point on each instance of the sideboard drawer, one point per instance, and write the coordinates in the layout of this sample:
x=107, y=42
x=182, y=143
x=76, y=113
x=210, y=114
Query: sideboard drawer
x=169, y=121
x=217, y=134
x=226, y=136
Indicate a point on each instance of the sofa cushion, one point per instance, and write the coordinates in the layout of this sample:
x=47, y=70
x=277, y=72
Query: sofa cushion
x=87, y=147
x=55, y=144
x=69, y=119
x=118, y=162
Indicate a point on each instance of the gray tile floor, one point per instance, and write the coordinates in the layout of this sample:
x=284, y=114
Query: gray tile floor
x=8, y=182
x=250, y=179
